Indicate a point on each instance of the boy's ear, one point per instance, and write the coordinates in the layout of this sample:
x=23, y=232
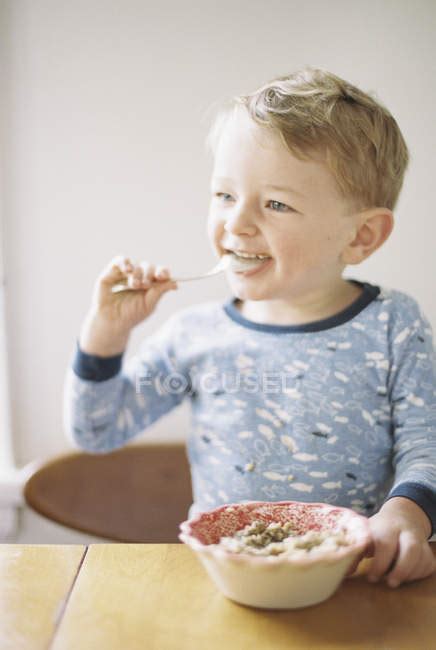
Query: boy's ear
x=371, y=230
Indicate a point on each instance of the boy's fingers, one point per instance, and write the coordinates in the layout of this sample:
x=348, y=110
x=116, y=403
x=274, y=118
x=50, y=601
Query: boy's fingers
x=384, y=559
x=125, y=265
x=134, y=279
x=147, y=270
x=370, y=550
x=353, y=567
x=134, y=275
x=428, y=563
x=412, y=553
x=425, y=566
x=114, y=271
x=162, y=273
x=361, y=558
x=137, y=276
x=157, y=289
x=404, y=569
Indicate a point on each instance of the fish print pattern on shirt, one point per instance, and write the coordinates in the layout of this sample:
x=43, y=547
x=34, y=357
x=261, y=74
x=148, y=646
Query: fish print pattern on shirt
x=342, y=414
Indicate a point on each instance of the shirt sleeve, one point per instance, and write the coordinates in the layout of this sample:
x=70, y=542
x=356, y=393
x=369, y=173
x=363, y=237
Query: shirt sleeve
x=413, y=411
x=107, y=403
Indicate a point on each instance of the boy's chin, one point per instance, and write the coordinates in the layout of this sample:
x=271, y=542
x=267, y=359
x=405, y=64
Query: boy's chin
x=249, y=293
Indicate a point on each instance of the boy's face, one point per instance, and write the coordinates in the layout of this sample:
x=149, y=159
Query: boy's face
x=303, y=229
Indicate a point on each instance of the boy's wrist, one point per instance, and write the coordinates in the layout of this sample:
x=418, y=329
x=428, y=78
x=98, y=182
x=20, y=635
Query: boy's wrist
x=99, y=339
x=412, y=509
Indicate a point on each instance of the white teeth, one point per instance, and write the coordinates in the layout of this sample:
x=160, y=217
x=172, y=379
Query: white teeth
x=244, y=263
x=249, y=256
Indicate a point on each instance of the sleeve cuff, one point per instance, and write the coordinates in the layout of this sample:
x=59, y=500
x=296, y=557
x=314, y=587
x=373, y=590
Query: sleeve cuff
x=95, y=368
x=422, y=495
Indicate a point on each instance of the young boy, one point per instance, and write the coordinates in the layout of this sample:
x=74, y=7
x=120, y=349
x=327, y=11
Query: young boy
x=304, y=385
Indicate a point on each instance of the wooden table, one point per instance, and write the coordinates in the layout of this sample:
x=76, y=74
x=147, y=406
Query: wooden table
x=159, y=597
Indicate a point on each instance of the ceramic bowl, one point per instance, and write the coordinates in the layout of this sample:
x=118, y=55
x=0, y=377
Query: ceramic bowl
x=276, y=581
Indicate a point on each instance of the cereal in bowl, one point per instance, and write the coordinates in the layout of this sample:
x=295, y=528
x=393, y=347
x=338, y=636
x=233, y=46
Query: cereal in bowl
x=261, y=538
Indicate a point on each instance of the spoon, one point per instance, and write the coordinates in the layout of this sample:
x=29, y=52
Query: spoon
x=227, y=261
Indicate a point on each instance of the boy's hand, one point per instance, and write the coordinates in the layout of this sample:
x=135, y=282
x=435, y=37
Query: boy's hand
x=113, y=315
x=400, y=551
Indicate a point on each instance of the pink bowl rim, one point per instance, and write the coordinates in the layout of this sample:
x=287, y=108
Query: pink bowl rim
x=329, y=557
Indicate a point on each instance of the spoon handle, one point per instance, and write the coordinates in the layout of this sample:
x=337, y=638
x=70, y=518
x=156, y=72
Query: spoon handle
x=216, y=269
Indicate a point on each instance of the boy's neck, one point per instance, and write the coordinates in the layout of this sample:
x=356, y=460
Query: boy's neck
x=318, y=306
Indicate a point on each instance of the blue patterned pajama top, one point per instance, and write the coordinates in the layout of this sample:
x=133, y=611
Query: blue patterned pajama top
x=341, y=410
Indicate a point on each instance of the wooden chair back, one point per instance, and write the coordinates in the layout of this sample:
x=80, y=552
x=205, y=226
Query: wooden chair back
x=139, y=493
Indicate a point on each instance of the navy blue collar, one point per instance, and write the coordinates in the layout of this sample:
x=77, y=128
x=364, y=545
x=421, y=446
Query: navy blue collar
x=369, y=293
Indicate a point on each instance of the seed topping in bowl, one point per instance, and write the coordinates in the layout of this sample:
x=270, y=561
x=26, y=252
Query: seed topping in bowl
x=261, y=538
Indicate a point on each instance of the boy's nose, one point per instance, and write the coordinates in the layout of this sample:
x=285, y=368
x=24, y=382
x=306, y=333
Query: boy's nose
x=240, y=222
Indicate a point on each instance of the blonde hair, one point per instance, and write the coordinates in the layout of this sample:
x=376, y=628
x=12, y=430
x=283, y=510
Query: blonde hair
x=314, y=111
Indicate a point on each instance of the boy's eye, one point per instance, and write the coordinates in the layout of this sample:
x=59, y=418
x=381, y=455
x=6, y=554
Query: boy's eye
x=279, y=207
x=222, y=195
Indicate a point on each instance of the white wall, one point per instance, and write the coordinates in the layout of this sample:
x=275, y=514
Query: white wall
x=103, y=128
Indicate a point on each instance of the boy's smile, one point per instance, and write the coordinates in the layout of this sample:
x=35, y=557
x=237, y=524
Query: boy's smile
x=265, y=264
x=267, y=202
